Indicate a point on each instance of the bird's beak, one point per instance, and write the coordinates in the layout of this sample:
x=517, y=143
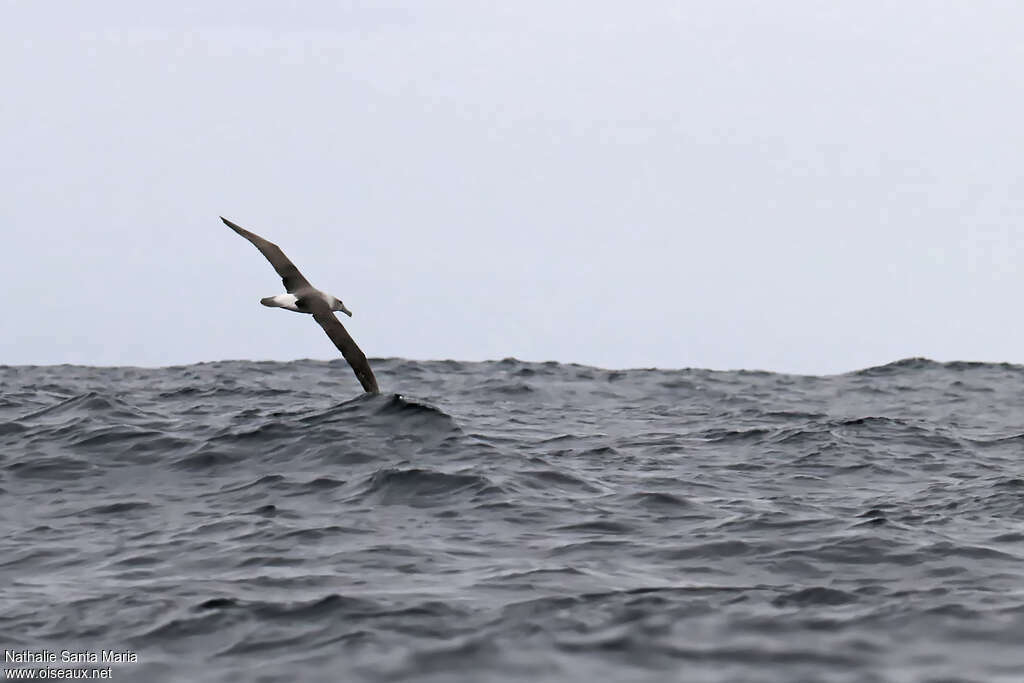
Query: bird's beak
x=346, y=311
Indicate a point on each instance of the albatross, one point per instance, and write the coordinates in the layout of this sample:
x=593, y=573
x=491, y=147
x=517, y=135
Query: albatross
x=303, y=297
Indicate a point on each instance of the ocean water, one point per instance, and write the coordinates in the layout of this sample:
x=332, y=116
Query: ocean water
x=507, y=521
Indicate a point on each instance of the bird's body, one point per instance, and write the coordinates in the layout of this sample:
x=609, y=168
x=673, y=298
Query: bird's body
x=303, y=297
x=305, y=301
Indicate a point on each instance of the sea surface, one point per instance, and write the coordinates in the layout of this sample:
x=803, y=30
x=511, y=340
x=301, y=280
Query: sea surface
x=514, y=521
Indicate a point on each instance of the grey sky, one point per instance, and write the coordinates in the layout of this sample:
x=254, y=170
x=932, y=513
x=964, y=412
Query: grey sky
x=797, y=186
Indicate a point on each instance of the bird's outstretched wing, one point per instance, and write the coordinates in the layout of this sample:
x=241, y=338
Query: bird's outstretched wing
x=352, y=353
x=290, y=275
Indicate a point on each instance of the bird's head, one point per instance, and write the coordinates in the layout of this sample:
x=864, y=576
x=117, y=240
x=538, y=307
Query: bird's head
x=337, y=305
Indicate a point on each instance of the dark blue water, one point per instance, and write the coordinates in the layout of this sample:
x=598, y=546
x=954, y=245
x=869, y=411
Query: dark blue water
x=506, y=521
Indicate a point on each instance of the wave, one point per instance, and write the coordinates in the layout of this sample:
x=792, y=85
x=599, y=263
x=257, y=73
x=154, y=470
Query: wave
x=419, y=487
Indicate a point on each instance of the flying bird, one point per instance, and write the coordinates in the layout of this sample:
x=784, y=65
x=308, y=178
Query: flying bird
x=303, y=297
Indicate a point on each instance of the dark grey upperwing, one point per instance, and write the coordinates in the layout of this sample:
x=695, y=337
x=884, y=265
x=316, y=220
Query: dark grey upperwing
x=290, y=275
x=352, y=353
